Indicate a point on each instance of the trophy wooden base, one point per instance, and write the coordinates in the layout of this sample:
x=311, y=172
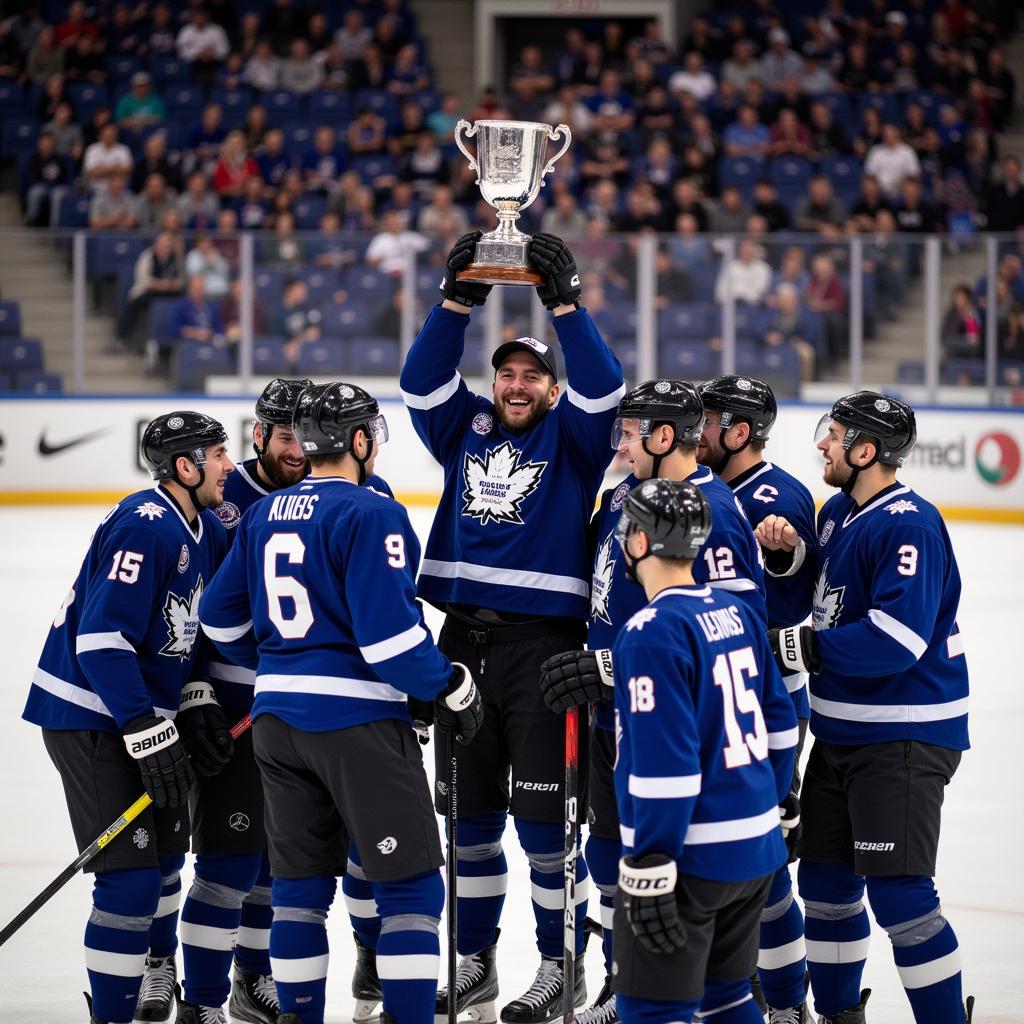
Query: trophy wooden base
x=482, y=273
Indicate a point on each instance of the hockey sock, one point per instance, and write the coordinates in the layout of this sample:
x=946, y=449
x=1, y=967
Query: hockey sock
x=117, y=939
x=923, y=944
x=252, y=951
x=544, y=845
x=482, y=880
x=838, y=932
x=633, y=1010
x=603, y=862
x=782, y=958
x=163, y=933
x=359, y=901
x=409, y=949
x=730, y=1002
x=209, y=923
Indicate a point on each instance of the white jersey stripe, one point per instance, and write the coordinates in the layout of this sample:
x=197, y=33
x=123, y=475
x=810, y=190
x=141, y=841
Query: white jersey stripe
x=226, y=634
x=436, y=397
x=77, y=695
x=394, y=645
x=784, y=740
x=232, y=673
x=329, y=686
x=901, y=634
x=627, y=834
x=954, y=645
x=931, y=973
x=505, y=577
x=735, y=586
x=838, y=952
x=595, y=405
x=795, y=682
x=666, y=787
x=86, y=642
x=890, y=713
x=406, y=967
x=732, y=829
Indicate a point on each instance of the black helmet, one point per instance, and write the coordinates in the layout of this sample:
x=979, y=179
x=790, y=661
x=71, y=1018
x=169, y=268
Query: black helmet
x=889, y=420
x=743, y=400
x=277, y=403
x=675, y=515
x=328, y=415
x=179, y=433
x=662, y=401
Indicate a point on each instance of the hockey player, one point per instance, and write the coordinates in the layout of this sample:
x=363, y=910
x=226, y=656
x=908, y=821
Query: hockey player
x=889, y=695
x=115, y=666
x=707, y=735
x=317, y=593
x=507, y=560
x=741, y=412
x=657, y=431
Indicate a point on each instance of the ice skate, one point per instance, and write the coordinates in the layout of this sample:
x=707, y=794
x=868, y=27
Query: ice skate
x=253, y=998
x=476, y=988
x=158, y=997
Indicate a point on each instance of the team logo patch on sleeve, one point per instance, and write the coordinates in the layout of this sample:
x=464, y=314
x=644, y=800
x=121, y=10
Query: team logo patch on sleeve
x=497, y=485
x=483, y=423
x=182, y=617
x=641, y=619
x=900, y=506
x=827, y=604
x=150, y=510
x=826, y=532
x=228, y=514
x=183, y=559
x=618, y=497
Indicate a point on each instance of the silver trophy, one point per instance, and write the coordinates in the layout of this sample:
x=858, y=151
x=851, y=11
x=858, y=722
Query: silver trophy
x=510, y=166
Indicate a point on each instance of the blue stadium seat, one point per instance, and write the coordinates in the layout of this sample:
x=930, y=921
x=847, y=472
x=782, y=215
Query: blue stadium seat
x=104, y=254
x=196, y=361
x=751, y=321
x=372, y=167
x=687, y=320
x=17, y=354
x=954, y=371
x=86, y=97
x=38, y=381
x=74, y=211
x=616, y=321
x=910, y=373
x=380, y=101
x=160, y=311
x=12, y=99
x=10, y=320
x=790, y=173
x=232, y=101
x=741, y=171
x=321, y=358
x=839, y=104
x=686, y=360
x=121, y=66
x=6, y=382
x=929, y=101
x=20, y=134
x=347, y=319
x=429, y=100
x=886, y=103
x=282, y=104
x=268, y=355
x=184, y=101
x=625, y=352
x=368, y=281
x=298, y=137
x=330, y=107
x=269, y=282
x=308, y=210
x=781, y=365
x=166, y=68
x=322, y=284
x=374, y=356
x=842, y=170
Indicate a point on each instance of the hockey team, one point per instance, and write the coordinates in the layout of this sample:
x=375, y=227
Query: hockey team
x=246, y=643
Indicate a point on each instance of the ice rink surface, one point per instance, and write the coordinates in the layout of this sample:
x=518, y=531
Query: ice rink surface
x=981, y=862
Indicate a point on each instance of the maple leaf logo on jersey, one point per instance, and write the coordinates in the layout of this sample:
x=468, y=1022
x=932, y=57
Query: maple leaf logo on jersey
x=497, y=484
x=900, y=506
x=641, y=619
x=601, y=581
x=827, y=604
x=182, y=617
x=151, y=510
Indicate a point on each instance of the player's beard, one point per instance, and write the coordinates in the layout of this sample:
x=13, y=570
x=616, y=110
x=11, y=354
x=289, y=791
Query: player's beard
x=836, y=473
x=712, y=455
x=536, y=414
x=282, y=475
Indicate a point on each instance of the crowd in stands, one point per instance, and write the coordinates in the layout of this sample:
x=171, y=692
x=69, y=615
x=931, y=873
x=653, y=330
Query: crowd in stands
x=188, y=122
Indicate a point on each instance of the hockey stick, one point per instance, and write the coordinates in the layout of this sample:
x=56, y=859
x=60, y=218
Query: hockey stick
x=572, y=750
x=452, y=868
x=99, y=843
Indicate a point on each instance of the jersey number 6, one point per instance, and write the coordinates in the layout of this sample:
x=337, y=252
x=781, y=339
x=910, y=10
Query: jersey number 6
x=279, y=587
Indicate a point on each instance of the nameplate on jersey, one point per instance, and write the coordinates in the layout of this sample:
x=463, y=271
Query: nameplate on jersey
x=292, y=507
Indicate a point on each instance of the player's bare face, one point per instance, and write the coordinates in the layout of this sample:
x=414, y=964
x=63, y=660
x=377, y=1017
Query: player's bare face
x=837, y=470
x=218, y=465
x=283, y=459
x=631, y=448
x=523, y=392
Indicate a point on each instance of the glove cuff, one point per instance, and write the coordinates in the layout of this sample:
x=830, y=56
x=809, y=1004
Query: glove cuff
x=148, y=741
x=789, y=818
x=603, y=660
x=792, y=658
x=464, y=692
x=651, y=879
x=195, y=694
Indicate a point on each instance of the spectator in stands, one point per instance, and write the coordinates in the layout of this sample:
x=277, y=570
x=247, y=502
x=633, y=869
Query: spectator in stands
x=282, y=22
x=1004, y=204
x=856, y=74
x=300, y=321
x=642, y=212
x=746, y=136
x=792, y=270
x=48, y=181
x=106, y=159
x=54, y=93
x=688, y=248
x=820, y=210
x=12, y=57
x=162, y=35
x=605, y=158
x=231, y=314
x=655, y=115
x=672, y=280
x=768, y=206
x=693, y=78
x=746, y=277
x=441, y=215
x=686, y=199
x=826, y=295
x=1001, y=85
x=194, y=318
x=256, y=126
x=389, y=250
x=337, y=74
x=67, y=136
x=322, y=165
x=354, y=35
x=300, y=73
x=113, y=208
x=789, y=137
x=366, y=134
x=702, y=136
x=234, y=167
x=329, y=249
x=360, y=214
x=425, y=167
x=890, y=258
x=45, y=58
x=729, y=214
x=827, y=137
x=1009, y=273
x=203, y=45
x=370, y=71
x=155, y=161
x=892, y=160
x=778, y=60
x=263, y=69
x=153, y=202
x=742, y=66
x=140, y=107
x=318, y=35
x=564, y=108
x=125, y=33
x=198, y=206
x=564, y=217
x=962, y=328
x=76, y=24
x=658, y=166
x=915, y=214
x=443, y=120
x=867, y=205
x=283, y=247
x=158, y=274
x=613, y=104
x=408, y=75
x=389, y=36
x=205, y=138
x=207, y=262
x=816, y=79
x=251, y=206
x=788, y=327
x=272, y=159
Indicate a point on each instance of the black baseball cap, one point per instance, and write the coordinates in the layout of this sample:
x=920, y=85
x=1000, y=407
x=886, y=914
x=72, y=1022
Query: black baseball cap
x=544, y=354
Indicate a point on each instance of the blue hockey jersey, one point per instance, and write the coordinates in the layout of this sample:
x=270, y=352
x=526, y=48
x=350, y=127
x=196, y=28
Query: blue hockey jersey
x=885, y=606
x=509, y=533
x=734, y=561
x=318, y=595
x=123, y=643
x=242, y=489
x=707, y=736
x=766, y=490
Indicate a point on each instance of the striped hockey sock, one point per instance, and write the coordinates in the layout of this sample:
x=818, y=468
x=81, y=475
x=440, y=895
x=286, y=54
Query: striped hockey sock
x=252, y=950
x=163, y=933
x=782, y=958
x=603, y=862
x=729, y=1002
x=482, y=881
x=838, y=932
x=359, y=901
x=117, y=939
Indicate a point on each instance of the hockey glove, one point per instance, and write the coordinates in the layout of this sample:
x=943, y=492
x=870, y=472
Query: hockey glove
x=577, y=677
x=789, y=819
x=467, y=293
x=648, y=887
x=166, y=773
x=205, y=733
x=550, y=255
x=422, y=714
x=795, y=649
x=458, y=707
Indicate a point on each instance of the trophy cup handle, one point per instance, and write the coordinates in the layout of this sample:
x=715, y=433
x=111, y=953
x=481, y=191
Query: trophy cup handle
x=553, y=133
x=464, y=127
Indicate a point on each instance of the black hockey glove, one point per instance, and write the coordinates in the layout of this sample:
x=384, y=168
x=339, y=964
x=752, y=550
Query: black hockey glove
x=572, y=678
x=458, y=707
x=551, y=256
x=166, y=773
x=648, y=887
x=795, y=649
x=204, y=729
x=468, y=293
x=422, y=714
x=789, y=819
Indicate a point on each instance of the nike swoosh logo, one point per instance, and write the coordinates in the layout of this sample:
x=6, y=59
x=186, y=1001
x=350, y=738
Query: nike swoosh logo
x=46, y=449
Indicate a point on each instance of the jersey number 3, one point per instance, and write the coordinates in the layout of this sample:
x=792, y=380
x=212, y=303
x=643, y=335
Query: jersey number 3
x=727, y=673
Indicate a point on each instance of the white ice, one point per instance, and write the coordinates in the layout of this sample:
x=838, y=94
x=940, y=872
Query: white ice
x=981, y=863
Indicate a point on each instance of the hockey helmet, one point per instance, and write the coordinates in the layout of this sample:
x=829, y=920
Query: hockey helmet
x=888, y=420
x=654, y=402
x=179, y=433
x=327, y=416
x=675, y=516
x=741, y=400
